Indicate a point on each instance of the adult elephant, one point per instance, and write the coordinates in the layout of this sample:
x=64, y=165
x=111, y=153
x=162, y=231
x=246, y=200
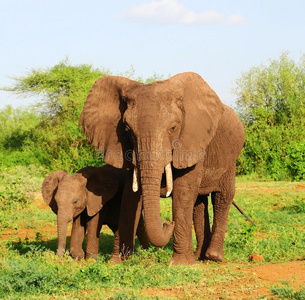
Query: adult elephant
x=178, y=124
x=91, y=197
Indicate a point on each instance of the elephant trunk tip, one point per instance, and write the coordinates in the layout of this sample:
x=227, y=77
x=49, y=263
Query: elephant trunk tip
x=168, y=226
x=167, y=230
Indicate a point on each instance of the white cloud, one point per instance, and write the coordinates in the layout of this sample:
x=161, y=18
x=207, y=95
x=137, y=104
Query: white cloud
x=235, y=19
x=173, y=12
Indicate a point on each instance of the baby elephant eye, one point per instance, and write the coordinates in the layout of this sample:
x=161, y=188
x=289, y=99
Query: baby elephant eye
x=75, y=201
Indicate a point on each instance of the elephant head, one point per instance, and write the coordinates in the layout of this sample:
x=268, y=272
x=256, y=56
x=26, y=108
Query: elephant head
x=69, y=195
x=151, y=127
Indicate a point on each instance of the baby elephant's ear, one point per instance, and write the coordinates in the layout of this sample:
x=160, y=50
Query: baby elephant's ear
x=101, y=189
x=49, y=188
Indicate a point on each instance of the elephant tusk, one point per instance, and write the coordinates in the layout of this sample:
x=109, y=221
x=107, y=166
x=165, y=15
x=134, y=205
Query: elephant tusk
x=169, y=179
x=135, y=183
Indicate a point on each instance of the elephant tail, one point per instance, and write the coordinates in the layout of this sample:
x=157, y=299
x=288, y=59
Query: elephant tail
x=243, y=213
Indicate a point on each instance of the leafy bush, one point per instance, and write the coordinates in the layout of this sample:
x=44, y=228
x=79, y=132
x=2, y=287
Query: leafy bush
x=295, y=160
x=18, y=184
x=33, y=276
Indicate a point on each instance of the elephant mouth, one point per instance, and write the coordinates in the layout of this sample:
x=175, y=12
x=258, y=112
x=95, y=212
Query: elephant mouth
x=168, y=176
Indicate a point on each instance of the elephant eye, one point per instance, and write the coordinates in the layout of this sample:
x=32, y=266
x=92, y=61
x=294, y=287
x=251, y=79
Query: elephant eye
x=173, y=128
x=75, y=201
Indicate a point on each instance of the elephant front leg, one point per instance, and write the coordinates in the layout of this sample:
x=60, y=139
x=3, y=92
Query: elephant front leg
x=202, y=226
x=94, y=226
x=116, y=256
x=77, y=237
x=186, y=186
x=131, y=207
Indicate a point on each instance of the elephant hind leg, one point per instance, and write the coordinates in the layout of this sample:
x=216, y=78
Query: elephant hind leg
x=222, y=201
x=202, y=226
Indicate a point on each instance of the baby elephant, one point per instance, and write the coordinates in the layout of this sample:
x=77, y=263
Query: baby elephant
x=91, y=197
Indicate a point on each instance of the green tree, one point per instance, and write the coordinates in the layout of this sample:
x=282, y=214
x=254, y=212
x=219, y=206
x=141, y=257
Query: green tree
x=56, y=140
x=273, y=93
x=270, y=102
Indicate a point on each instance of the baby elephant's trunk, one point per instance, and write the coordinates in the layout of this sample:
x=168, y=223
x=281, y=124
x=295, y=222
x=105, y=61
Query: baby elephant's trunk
x=62, y=228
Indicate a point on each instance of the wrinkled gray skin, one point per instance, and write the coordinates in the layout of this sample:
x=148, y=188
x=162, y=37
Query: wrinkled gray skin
x=181, y=122
x=91, y=197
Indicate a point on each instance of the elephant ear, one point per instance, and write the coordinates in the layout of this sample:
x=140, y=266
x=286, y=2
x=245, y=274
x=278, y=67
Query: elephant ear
x=101, y=187
x=203, y=110
x=49, y=188
x=101, y=119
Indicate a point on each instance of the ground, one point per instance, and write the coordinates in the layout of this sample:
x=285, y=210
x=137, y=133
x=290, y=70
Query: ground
x=247, y=281
x=251, y=280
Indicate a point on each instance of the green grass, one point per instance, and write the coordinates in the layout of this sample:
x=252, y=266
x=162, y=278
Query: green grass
x=38, y=271
x=287, y=292
x=29, y=268
x=277, y=209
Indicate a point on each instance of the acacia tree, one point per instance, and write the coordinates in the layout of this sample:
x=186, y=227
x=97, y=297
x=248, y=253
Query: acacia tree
x=57, y=141
x=270, y=102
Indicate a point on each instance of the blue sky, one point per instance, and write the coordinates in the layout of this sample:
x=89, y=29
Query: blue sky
x=217, y=39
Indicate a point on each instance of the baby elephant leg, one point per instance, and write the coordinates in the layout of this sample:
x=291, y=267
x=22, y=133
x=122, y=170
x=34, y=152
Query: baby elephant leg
x=94, y=226
x=77, y=237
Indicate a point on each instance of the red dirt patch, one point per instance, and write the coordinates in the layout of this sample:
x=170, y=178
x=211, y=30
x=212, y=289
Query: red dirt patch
x=268, y=275
x=300, y=187
x=293, y=271
x=30, y=233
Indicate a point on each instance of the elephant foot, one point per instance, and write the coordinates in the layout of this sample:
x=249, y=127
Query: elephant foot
x=60, y=252
x=115, y=259
x=91, y=255
x=214, y=255
x=200, y=255
x=183, y=259
x=77, y=254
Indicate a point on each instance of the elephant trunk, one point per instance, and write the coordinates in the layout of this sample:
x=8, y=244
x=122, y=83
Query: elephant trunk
x=62, y=228
x=159, y=234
